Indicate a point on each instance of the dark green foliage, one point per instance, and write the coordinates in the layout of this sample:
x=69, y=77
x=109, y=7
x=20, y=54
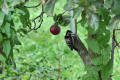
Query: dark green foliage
x=61, y=19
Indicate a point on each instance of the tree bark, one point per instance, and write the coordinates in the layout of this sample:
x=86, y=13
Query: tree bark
x=75, y=43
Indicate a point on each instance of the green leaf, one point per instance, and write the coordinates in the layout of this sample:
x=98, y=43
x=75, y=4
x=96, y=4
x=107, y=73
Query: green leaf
x=91, y=31
x=2, y=15
x=83, y=21
x=103, y=38
x=65, y=21
x=105, y=15
x=93, y=45
x=82, y=3
x=49, y=7
x=14, y=37
x=68, y=5
x=107, y=70
x=24, y=16
x=2, y=58
x=6, y=47
x=108, y=3
x=6, y=29
x=93, y=75
x=113, y=24
x=76, y=12
x=17, y=42
x=1, y=2
x=103, y=58
x=23, y=30
x=116, y=7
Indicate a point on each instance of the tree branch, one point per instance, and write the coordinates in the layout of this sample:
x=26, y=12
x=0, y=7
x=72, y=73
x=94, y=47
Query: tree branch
x=74, y=42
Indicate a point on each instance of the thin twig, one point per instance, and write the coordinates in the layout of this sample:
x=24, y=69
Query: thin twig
x=40, y=21
x=113, y=46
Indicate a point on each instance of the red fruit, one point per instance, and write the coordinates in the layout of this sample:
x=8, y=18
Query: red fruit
x=55, y=29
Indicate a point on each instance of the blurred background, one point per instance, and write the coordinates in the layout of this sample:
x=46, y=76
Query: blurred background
x=43, y=56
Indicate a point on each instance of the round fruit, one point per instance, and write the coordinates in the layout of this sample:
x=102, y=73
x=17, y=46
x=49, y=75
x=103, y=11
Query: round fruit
x=1, y=37
x=55, y=29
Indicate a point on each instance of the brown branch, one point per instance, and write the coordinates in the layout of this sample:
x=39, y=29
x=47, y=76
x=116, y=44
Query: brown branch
x=113, y=46
x=40, y=21
x=74, y=42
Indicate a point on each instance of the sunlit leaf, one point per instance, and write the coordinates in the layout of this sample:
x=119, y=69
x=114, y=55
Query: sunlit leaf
x=6, y=47
x=6, y=29
x=2, y=15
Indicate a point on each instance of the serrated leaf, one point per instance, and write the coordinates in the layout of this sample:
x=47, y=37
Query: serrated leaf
x=6, y=29
x=2, y=15
x=5, y=7
x=49, y=7
x=93, y=45
x=76, y=12
x=6, y=47
x=94, y=22
x=24, y=16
